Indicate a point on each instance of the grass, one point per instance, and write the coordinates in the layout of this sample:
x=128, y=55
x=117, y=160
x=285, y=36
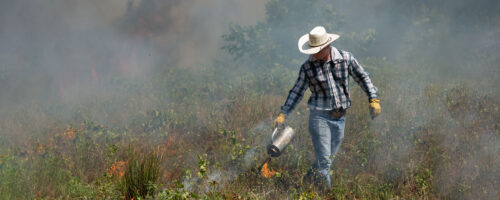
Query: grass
x=141, y=176
x=176, y=139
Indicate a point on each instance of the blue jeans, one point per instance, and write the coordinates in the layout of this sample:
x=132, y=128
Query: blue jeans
x=327, y=134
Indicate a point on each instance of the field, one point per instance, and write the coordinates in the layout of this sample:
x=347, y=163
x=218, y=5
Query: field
x=206, y=142
x=200, y=132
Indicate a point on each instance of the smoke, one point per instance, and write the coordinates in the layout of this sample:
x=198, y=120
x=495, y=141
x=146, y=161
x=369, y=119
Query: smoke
x=192, y=29
x=441, y=45
x=448, y=36
x=86, y=53
x=69, y=51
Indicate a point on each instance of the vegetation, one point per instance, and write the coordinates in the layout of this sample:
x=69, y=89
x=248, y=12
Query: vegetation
x=197, y=134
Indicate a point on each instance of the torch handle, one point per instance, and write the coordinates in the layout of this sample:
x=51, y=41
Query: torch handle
x=274, y=132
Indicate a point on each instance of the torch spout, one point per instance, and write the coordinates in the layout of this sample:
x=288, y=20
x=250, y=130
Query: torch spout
x=265, y=161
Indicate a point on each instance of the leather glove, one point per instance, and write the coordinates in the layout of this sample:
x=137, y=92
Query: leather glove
x=375, y=107
x=279, y=120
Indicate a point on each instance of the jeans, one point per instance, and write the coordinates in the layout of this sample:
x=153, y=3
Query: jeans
x=327, y=134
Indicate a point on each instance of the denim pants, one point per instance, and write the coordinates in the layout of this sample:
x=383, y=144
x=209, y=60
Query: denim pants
x=327, y=134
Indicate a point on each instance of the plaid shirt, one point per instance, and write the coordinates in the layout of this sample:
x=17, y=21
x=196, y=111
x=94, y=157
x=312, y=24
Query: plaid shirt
x=329, y=86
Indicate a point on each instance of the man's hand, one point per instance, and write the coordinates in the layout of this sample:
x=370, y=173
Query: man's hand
x=279, y=120
x=375, y=107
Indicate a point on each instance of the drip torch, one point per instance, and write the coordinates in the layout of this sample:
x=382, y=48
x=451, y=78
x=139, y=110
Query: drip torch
x=280, y=139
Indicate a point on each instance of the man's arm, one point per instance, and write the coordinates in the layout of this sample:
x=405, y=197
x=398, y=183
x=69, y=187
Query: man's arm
x=362, y=77
x=296, y=93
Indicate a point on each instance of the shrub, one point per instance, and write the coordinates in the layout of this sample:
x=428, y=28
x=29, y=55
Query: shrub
x=142, y=175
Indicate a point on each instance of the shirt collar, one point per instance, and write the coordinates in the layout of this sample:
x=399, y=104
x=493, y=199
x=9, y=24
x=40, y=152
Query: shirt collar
x=335, y=54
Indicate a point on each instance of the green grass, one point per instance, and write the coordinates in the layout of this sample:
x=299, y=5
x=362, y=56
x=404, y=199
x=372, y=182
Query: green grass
x=204, y=141
x=142, y=175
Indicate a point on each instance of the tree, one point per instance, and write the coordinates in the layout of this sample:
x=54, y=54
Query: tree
x=274, y=41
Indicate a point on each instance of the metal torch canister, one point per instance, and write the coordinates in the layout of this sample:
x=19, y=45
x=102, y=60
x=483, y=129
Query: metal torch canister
x=280, y=139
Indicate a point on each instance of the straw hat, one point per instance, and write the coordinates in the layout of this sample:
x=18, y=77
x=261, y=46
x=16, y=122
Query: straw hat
x=316, y=40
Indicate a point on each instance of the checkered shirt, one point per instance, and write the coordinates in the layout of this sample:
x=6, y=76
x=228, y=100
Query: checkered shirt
x=329, y=82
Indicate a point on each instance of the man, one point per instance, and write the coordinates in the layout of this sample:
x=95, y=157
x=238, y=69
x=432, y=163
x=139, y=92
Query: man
x=326, y=73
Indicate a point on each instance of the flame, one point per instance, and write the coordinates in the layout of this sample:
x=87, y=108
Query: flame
x=93, y=72
x=117, y=168
x=92, y=69
x=266, y=171
x=170, y=147
x=69, y=134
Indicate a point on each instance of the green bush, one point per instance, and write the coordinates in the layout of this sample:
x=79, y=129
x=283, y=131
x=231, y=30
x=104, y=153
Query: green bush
x=142, y=175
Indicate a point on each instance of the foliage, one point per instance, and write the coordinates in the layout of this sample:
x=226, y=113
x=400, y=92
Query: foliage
x=142, y=175
x=102, y=189
x=13, y=184
x=274, y=40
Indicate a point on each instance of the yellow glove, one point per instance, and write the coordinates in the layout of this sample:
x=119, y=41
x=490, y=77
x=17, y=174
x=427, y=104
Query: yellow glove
x=279, y=120
x=375, y=107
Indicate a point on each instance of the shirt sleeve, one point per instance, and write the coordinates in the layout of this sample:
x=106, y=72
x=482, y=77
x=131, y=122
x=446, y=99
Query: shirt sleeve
x=296, y=93
x=362, y=78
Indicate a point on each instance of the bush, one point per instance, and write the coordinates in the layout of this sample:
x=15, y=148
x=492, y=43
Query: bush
x=142, y=175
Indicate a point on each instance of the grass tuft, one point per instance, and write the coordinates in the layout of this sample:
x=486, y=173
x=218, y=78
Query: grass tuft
x=142, y=175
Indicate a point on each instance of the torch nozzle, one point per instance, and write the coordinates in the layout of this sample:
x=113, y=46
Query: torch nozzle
x=265, y=161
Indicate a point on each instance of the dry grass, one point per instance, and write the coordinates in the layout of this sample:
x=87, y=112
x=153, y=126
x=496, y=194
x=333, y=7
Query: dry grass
x=431, y=142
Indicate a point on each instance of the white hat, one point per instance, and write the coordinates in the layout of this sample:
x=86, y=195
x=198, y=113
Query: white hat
x=316, y=40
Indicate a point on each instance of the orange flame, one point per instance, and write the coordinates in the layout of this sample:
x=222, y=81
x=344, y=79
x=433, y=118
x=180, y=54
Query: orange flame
x=69, y=134
x=266, y=171
x=92, y=69
x=93, y=72
x=117, y=168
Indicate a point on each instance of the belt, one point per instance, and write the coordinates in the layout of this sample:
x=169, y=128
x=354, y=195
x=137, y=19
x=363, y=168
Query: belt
x=337, y=113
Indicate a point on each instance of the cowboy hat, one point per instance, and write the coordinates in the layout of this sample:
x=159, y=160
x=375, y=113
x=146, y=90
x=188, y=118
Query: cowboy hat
x=316, y=40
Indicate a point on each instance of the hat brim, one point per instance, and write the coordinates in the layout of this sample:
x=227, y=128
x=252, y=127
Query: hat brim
x=306, y=49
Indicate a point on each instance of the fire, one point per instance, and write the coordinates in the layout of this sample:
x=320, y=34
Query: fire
x=93, y=72
x=69, y=134
x=117, y=168
x=92, y=69
x=266, y=171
